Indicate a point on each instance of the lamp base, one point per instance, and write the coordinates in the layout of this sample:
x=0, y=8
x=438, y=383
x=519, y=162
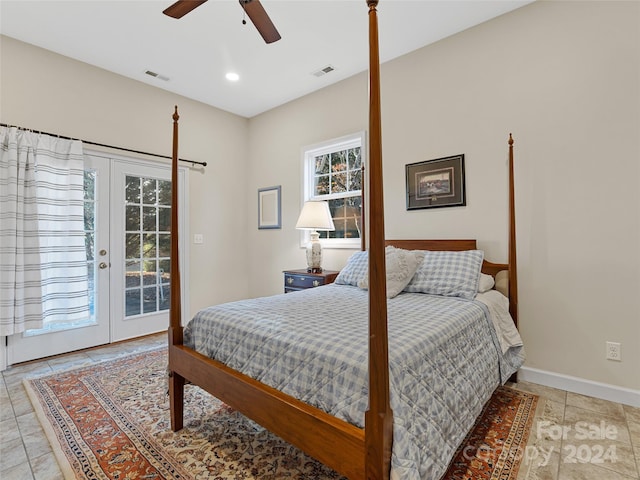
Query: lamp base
x=314, y=254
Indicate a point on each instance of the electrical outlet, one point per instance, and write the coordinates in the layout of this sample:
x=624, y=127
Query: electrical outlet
x=614, y=351
x=198, y=238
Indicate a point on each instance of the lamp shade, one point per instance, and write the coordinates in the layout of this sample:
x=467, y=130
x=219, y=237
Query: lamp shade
x=315, y=216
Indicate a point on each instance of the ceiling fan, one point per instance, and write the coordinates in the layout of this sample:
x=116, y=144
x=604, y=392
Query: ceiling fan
x=253, y=8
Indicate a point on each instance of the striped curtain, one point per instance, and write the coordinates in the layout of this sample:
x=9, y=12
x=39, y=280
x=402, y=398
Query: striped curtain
x=43, y=264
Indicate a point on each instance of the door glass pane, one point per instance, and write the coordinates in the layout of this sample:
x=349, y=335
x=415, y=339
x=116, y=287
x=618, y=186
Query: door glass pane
x=147, y=249
x=164, y=193
x=132, y=190
x=132, y=302
x=90, y=227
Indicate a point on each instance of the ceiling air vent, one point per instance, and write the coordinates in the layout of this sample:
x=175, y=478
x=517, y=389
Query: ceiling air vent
x=324, y=71
x=157, y=75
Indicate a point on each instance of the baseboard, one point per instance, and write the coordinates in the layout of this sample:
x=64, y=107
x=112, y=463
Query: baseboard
x=582, y=386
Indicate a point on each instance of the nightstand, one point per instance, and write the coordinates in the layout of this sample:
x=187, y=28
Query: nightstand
x=301, y=279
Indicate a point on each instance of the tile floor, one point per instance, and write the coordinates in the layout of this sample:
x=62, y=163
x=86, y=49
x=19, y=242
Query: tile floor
x=574, y=437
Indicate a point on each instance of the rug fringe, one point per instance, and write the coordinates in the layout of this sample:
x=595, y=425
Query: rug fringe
x=61, y=458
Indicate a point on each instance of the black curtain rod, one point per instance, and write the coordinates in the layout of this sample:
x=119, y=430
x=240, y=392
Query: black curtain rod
x=193, y=162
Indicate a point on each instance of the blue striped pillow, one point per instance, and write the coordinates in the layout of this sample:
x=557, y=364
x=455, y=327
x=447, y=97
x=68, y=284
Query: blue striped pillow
x=450, y=274
x=355, y=270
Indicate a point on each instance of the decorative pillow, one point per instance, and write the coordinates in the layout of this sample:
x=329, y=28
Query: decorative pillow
x=400, y=266
x=486, y=283
x=451, y=274
x=502, y=282
x=355, y=270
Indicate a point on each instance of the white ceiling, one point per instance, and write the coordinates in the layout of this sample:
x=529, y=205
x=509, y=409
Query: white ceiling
x=195, y=52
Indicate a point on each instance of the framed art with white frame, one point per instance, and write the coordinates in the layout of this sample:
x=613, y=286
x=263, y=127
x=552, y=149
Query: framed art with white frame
x=269, y=212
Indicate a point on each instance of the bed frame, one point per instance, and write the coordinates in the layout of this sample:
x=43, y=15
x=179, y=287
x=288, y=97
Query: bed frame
x=354, y=452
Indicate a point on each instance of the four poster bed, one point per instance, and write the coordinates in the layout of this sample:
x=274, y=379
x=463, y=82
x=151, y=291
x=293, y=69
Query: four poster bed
x=436, y=350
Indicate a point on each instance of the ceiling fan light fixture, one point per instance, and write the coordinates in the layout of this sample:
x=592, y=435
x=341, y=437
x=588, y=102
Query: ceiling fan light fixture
x=253, y=8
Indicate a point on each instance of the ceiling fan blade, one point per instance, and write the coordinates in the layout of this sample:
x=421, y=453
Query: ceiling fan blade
x=256, y=12
x=182, y=7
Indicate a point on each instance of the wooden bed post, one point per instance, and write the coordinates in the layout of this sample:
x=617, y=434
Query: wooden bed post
x=379, y=417
x=176, y=382
x=363, y=235
x=513, y=268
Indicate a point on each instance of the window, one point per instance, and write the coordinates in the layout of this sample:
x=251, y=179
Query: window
x=333, y=172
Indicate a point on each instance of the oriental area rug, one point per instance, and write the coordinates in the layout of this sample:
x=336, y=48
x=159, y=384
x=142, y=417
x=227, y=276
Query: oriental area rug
x=111, y=421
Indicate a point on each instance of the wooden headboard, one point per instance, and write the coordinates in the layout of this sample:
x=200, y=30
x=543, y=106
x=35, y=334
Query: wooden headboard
x=454, y=245
x=489, y=268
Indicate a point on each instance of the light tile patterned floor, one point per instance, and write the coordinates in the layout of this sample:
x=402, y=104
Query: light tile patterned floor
x=574, y=437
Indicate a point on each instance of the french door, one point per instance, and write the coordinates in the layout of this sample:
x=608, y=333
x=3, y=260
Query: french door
x=127, y=223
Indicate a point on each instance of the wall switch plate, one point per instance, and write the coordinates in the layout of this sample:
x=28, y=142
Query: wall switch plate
x=614, y=351
x=198, y=238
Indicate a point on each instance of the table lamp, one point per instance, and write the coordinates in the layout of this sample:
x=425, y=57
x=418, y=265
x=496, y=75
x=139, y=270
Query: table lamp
x=315, y=216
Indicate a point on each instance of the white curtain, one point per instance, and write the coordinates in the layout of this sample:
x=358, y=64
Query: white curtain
x=43, y=264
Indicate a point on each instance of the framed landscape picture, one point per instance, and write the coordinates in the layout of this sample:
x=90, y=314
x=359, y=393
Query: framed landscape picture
x=436, y=183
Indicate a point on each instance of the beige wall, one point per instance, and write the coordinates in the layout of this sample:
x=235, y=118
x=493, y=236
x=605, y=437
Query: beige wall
x=45, y=91
x=564, y=78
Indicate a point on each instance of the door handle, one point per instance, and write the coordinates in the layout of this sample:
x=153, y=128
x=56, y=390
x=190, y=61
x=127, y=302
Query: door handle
x=102, y=265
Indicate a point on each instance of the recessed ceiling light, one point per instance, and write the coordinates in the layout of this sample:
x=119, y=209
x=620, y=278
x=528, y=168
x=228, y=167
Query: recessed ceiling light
x=232, y=77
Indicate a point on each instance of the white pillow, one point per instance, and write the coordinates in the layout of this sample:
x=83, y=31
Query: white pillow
x=486, y=283
x=401, y=265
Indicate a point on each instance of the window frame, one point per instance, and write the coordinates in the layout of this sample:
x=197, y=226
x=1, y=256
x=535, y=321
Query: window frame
x=308, y=174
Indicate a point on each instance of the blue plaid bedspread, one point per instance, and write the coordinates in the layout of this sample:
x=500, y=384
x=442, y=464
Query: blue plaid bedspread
x=445, y=361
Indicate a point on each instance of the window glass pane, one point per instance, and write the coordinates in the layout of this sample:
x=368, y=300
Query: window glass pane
x=165, y=297
x=92, y=287
x=164, y=192
x=336, y=207
x=355, y=180
x=132, y=302
x=149, y=219
x=132, y=222
x=132, y=245
x=339, y=232
x=339, y=183
x=132, y=190
x=355, y=161
x=149, y=191
x=132, y=274
x=89, y=185
x=149, y=245
x=89, y=242
x=351, y=227
x=322, y=164
x=164, y=244
x=149, y=273
x=165, y=270
x=164, y=219
x=338, y=162
x=149, y=299
x=322, y=185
